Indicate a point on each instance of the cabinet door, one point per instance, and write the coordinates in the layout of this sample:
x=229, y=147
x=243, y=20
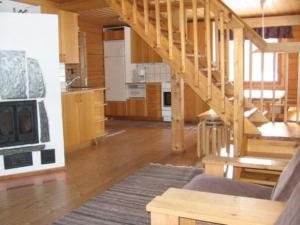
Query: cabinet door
x=87, y=117
x=116, y=108
x=68, y=34
x=153, y=99
x=69, y=37
x=136, y=108
x=71, y=120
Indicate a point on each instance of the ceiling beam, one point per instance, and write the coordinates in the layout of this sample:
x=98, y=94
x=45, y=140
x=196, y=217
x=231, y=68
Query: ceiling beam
x=272, y=21
x=83, y=5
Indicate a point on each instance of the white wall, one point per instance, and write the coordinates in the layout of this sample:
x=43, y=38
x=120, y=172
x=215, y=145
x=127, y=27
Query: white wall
x=37, y=34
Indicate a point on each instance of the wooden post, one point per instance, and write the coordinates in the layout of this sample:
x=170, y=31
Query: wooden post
x=298, y=90
x=177, y=87
x=262, y=82
x=208, y=47
x=286, y=86
x=196, y=51
x=134, y=12
x=146, y=16
x=238, y=114
x=250, y=70
x=157, y=17
x=227, y=54
x=273, y=86
x=217, y=46
x=170, y=28
x=182, y=34
x=222, y=59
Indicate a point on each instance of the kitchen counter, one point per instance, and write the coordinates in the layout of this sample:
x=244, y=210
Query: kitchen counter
x=78, y=90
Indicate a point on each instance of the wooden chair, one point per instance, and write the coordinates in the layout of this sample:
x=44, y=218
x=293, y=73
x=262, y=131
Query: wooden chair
x=212, y=134
x=251, y=205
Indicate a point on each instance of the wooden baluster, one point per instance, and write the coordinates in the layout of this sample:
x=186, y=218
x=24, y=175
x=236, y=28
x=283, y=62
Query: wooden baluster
x=250, y=70
x=238, y=113
x=273, y=86
x=196, y=50
x=182, y=33
x=158, y=25
x=146, y=16
x=262, y=70
x=227, y=54
x=298, y=90
x=134, y=13
x=222, y=59
x=208, y=48
x=170, y=28
x=286, y=85
x=217, y=46
x=123, y=7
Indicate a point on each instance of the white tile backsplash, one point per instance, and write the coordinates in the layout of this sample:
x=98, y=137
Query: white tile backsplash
x=156, y=72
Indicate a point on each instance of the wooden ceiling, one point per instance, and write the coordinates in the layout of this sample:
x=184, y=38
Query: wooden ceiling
x=98, y=11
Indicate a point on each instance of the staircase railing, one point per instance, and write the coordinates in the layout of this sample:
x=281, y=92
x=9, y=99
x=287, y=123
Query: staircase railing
x=164, y=26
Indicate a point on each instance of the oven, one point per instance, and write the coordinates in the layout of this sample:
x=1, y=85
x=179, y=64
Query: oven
x=166, y=101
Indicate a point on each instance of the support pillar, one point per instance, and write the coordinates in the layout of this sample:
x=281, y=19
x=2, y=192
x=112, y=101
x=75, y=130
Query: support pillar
x=177, y=87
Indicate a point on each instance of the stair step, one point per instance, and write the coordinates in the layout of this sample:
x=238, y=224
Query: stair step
x=279, y=131
x=292, y=114
x=250, y=112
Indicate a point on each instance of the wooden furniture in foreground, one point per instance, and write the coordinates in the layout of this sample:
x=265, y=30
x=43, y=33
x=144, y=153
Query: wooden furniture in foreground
x=83, y=117
x=212, y=134
x=185, y=207
x=68, y=34
x=214, y=165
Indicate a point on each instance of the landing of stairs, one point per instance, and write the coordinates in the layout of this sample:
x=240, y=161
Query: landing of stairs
x=280, y=131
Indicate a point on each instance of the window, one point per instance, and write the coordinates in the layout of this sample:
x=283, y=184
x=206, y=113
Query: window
x=256, y=63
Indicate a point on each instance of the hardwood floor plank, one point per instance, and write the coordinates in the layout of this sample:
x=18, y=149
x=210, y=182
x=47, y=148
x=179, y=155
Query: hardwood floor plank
x=42, y=199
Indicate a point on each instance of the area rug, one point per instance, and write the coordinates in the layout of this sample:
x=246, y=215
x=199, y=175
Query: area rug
x=125, y=203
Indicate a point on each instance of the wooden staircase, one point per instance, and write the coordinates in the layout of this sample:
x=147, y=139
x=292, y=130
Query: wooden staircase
x=163, y=25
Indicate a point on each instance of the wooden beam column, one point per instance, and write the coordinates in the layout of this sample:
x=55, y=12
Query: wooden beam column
x=177, y=87
x=238, y=114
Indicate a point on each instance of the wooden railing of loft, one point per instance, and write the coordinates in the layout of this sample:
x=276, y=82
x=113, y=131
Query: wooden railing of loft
x=208, y=80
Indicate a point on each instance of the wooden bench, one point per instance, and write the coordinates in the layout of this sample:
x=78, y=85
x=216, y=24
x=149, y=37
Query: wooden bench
x=185, y=207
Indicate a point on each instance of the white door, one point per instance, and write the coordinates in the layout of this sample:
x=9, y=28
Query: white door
x=115, y=79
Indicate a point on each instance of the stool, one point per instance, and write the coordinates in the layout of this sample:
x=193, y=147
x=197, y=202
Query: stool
x=212, y=134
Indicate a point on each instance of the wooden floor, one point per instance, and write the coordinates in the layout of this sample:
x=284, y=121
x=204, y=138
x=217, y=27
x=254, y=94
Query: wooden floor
x=129, y=146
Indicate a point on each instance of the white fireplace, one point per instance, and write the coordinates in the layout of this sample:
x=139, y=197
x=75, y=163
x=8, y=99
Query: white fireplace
x=31, y=133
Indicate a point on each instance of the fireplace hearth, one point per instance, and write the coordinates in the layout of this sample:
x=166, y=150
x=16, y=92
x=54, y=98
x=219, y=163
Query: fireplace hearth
x=18, y=123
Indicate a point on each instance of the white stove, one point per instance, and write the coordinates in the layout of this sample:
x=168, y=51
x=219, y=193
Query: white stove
x=166, y=101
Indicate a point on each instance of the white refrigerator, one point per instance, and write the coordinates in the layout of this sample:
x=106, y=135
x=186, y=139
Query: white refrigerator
x=115, y=70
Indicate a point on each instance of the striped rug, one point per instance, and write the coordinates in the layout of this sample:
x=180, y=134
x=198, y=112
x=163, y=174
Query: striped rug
x=125, y=202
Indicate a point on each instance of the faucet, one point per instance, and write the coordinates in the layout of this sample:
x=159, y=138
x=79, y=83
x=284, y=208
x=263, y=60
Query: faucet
x=68, y=84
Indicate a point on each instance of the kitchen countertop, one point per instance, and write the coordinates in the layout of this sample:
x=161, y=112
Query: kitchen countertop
x=78, y=90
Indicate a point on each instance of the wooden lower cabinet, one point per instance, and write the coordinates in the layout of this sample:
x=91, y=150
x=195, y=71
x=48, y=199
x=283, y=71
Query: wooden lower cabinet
x=83, y=117
x=116, y=109
x=136, y=108
x=153, y=100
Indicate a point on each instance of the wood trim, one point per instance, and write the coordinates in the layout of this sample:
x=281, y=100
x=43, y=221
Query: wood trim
x=271, y=21
x=197, y=206
x=29, y=174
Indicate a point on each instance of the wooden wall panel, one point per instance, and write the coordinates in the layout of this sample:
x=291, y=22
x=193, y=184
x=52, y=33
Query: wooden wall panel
x=193, y=105
x=293, y=67
x=95, y=54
